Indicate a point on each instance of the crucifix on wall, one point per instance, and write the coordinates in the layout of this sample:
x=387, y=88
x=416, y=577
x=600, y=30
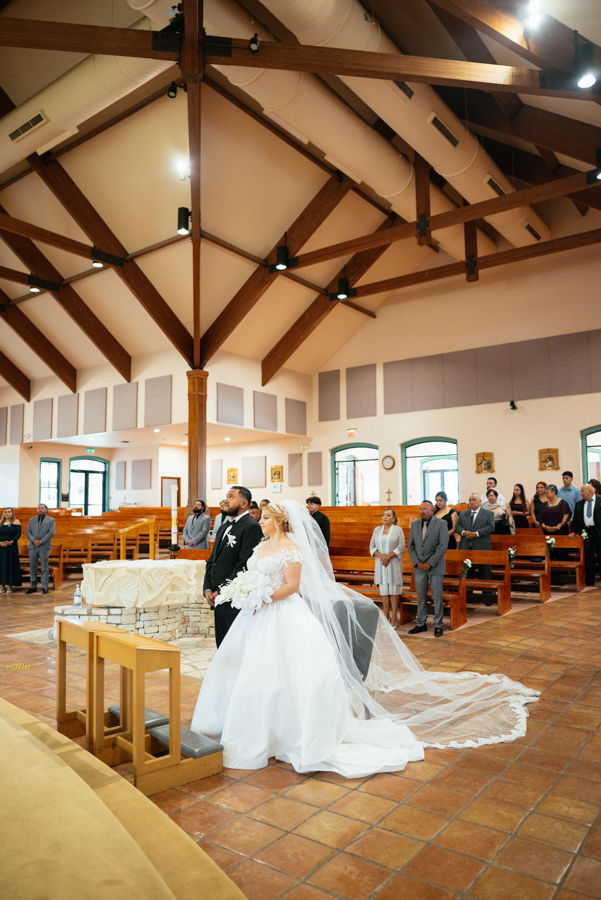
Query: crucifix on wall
x=388, y=493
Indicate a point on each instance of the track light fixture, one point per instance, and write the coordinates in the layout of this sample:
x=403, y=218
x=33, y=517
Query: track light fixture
x=588, y=63
x=594, y=176
x=183, y=220
x=344, y=290
x=172, y=89
x=34, y=290
x=532, y=16
x=512, y=404
x=282, y=260
x=97, y=264
x=254, y=44
x=41, y=284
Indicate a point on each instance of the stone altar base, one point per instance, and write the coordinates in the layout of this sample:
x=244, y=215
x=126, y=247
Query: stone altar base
x=165, y=623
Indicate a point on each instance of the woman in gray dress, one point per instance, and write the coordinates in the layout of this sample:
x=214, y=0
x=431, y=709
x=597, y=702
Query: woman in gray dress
x=386, y=546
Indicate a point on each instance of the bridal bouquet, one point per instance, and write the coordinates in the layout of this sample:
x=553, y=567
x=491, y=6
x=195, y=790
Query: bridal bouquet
x=247, y=591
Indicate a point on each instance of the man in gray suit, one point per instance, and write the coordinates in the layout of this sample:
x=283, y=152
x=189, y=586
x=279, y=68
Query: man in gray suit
x=475, y=525
x=197, y=527
x=428, y=540
x=40, y=531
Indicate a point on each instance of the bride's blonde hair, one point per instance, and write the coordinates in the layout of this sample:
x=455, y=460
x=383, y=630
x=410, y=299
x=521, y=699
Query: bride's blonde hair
x=276, y=512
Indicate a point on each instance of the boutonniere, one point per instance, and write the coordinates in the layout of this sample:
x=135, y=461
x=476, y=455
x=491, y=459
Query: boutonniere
x=231, y=539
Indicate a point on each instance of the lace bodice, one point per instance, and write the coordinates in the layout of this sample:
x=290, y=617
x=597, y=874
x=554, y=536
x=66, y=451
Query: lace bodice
x=273, y=566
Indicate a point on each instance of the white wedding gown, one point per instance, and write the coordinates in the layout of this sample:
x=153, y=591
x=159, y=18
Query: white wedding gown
x=274, y=689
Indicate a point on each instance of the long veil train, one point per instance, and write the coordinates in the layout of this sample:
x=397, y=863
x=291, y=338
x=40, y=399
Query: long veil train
x=384, y=680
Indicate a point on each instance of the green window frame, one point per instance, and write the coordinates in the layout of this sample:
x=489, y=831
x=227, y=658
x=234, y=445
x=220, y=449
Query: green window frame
x=107, y=469
x=334, y=451
x=422, y=440
x=59, y=485
x=584, y=455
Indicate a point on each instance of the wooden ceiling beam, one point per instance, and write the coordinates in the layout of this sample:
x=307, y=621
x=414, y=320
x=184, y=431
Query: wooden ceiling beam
x=81, y=210
x=191, y=68
x=15, y=377
x=491, y=261
x=548, y=191
x=25, y=229
x=396, y=67
x=71, y=302
x=549, y=46
x=39, y=343
x=321, y=307
x=314, y=215
x=89, y=39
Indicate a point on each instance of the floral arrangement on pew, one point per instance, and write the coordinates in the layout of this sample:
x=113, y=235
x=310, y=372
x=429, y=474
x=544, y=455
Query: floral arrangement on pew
x=248, y=591
x=584, y=535
x=511, y=553
x=467, y=565
x=550, y=541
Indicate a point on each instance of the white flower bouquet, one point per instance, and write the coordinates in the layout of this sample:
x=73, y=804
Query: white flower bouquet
x=467, y=565
x=550, y=541
x=247, y=591
x=584, y=534
x=511, y=553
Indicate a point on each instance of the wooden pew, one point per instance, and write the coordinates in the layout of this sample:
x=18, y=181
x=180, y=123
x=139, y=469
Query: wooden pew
x=453, y=595
x=358, y=573
x=55, y=564
x=196, y=553
x=576, y=563
x=529, y=546
x=497, y=558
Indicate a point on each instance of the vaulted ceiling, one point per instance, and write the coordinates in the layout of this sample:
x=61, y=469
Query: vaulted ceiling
x=115, y=184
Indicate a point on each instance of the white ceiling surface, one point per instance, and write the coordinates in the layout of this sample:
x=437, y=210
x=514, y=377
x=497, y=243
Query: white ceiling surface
x=174, y=436
x=253, y=187
x=20, y=354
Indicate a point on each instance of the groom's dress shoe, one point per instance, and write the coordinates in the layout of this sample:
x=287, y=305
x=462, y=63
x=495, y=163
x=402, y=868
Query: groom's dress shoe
x=438, y=631
x=418, y=629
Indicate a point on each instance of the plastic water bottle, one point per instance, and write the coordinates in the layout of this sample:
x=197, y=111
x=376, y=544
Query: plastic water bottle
x=77, y=597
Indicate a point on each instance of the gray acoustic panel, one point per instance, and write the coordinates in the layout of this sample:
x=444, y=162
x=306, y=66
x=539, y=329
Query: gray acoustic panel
x=459, y=374
x=594, y=352
x=329, y=395
x=141, y=474
x=230, y=404
x=125, y=406
x=493, y=374
x=3, y=424
x=157, y=401
x=16, y=423
x=295, y=469
x=66, y=415
x=265, y=411
x=120, y=475
x=94, y=411
x=361, y=391
x=296, y=416
x=427, y=382
x=42, y=420
x=398, y=389
x=530, y=369
x=569, y=364
x=253, y=471
x=216, y=474
x=314, y=476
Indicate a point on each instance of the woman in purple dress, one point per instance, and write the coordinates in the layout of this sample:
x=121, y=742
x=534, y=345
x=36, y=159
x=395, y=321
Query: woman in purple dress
x=553, y=517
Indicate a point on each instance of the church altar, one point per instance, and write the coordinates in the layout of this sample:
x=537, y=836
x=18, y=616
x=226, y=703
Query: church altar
x=143, y=583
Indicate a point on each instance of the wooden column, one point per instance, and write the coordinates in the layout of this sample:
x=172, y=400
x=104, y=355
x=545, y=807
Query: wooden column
x=197, y=436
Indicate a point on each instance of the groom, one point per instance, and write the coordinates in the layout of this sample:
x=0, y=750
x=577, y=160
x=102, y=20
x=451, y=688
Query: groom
x=235, y=541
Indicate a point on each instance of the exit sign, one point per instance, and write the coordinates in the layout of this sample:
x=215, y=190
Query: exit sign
x=90, y=450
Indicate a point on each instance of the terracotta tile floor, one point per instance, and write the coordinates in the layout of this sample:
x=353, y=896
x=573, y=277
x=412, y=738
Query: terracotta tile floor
x=517, y=821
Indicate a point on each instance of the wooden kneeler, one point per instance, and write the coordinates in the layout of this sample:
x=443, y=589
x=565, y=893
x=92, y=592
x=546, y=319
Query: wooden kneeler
x=127, y=741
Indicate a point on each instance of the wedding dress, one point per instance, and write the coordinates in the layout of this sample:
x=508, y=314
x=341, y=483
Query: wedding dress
x=316, y=681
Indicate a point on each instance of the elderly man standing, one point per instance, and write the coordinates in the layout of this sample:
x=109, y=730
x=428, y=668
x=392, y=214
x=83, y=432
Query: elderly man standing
x=475, y=525
x=40, y=531
x=586, y=519
x=428, y=540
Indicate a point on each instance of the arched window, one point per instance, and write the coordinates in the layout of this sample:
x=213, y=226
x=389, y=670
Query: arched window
x=429, y=465
x=591, y=452
x=88, y=484
x=356, y=475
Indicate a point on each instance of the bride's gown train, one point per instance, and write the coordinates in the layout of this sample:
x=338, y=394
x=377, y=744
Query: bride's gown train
x=284, y=684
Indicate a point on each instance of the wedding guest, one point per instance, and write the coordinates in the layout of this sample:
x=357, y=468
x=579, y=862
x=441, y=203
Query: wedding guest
x=537, y=502
x=313, y=504
x=491, y=482
x=504, y=523
x=197, y=527
x=520, y=507
x=40, y=531
x=263, y=504
x=10, y=564
x=569, y=492
x=254, y=511
x=428, y=541
x=596, y=484
x=219, y=519
x=447, y=514
x=587, y=521
x=386, y=546
x=555, y=513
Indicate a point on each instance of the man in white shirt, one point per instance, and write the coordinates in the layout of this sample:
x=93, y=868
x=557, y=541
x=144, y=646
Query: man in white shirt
x=492, y=483
x=586, y=519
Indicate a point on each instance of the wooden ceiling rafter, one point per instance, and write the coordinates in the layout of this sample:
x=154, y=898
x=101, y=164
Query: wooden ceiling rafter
x=81, y=210
x=32, y=257
x=44, y=236
x=37, y=341
x=15, y=377
x=309, y=220
x=318, y=310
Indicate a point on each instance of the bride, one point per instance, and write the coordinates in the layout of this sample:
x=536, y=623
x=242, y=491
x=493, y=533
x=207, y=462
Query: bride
x=318, y=678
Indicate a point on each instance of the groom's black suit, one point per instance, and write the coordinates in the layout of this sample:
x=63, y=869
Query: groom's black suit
x=228, y=558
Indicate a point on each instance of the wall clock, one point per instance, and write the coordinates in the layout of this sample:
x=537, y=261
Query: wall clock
x=388, y=462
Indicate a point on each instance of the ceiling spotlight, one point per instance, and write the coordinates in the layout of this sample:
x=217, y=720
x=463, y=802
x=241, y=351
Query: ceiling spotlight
x=512, y=404
x=254, y=44
x=172, y=90
x=588, y=64
x=97, y=265
x=282, y=260
x=533, y=15
x=227, y=439
x=594, y=175
x=184, y=443
x=157, y=430
x=344, y=290
x=34, y=290
x=183, y=220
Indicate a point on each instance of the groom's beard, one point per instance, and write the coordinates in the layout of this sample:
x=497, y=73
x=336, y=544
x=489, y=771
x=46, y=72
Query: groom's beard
x=232, y=510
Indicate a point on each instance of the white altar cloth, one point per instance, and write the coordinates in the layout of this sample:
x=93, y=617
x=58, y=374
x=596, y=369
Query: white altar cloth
x=143, y=583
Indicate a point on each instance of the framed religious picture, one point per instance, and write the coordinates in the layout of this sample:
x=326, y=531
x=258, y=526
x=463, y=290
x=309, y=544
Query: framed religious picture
x=485, y=463
x=277, y=474
x=548, y=459
x=232, y=476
